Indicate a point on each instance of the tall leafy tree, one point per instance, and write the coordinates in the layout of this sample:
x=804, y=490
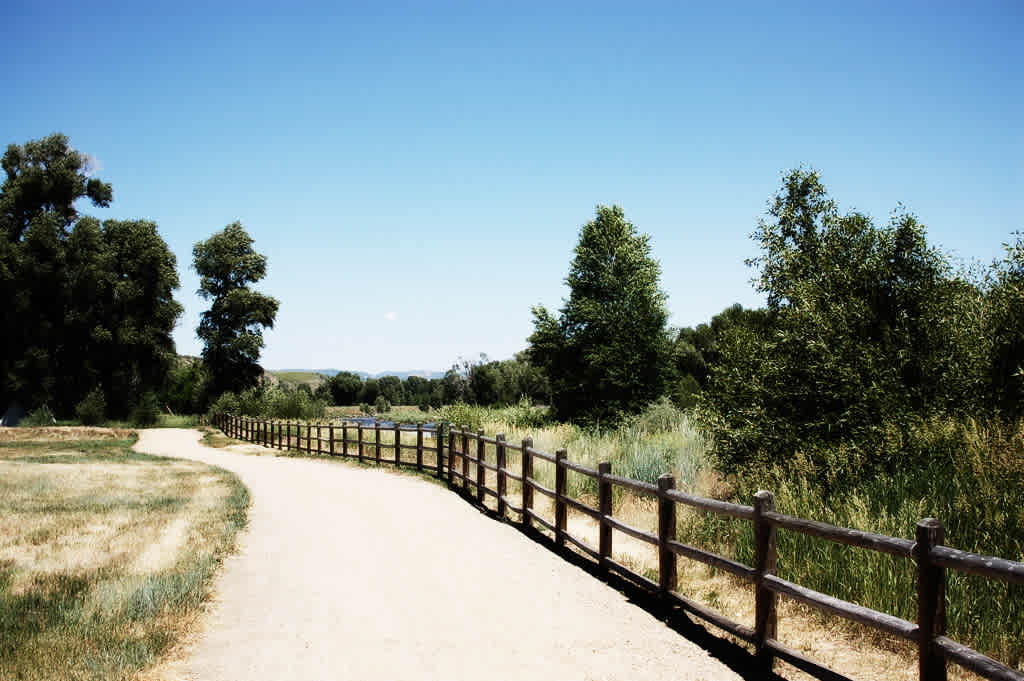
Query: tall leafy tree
x=232, y=329
x=85, y=304
x=868, y=327
x=608, y=352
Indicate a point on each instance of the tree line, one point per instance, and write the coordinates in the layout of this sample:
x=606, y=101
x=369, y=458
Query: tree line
x=87, y=307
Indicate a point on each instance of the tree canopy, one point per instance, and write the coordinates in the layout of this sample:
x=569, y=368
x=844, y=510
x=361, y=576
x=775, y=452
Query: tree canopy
x=232, y=329
x=867, y=326
x=85, y=304
x=608, y=352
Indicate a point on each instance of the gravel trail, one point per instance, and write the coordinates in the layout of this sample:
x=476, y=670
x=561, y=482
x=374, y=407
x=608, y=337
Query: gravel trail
x=357, y=573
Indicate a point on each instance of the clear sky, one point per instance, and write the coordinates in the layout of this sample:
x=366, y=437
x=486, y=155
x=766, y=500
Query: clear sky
x=417, y=173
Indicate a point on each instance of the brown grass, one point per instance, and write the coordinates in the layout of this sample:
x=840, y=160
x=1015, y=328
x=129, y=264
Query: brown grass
x=106, y=555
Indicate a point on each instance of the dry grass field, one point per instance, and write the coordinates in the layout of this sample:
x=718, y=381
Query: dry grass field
x=106, y=554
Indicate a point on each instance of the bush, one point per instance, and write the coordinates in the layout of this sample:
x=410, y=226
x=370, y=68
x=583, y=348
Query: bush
x=382, y=405
x=92, y=409
x=147, y=411
x=42, y=416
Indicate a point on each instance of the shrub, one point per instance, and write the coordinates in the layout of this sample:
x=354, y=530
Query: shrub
x=92, y=409
x=147, y=411
x=42, y=416
x=382, y=405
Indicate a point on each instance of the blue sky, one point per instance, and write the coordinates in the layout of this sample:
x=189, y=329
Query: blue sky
x=417, y=173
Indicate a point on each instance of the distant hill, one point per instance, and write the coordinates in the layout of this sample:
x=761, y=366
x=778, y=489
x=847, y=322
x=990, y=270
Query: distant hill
x=422, y=373
x=295, y=378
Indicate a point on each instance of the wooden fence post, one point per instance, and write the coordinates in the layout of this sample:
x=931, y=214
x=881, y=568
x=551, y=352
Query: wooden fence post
x=465, y=461
x=481, y=472
x=419, y=446
x=309, y=439
x=319, y=438
x=359, y=435
x=666, y=533
x=344, y=439
x=266, y=432
x=561, y=509
x=604, y=505
x=499, y=457
x=527, y=473
x=439, y=443
x=931, y=600
x=398, y=445
x=451, y=457
x=765, y=615
x=376, y=439
x=330, y=435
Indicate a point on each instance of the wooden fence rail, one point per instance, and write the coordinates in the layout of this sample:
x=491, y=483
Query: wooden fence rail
x=453, y=461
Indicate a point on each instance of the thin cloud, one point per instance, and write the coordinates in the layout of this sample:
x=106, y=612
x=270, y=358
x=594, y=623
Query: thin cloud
x=390, y=316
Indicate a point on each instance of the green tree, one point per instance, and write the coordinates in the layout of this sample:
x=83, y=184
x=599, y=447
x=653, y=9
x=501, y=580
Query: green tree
x=345, y=387
x=391, y=388
x=232, y=329
x=608, y=351
x=89, y=304
x=1004, y=322
x=867, y=328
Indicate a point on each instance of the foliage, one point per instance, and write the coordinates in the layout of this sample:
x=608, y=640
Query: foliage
x=866, y=326
x=1004, y=328
x=608, y=351
x=382, y=405
x=147, y=411
x=93, y=408
x=41, y=416
x=187, y=389
x=232, y=329
x=391, y=389
x=86, y=303
x=267, y=401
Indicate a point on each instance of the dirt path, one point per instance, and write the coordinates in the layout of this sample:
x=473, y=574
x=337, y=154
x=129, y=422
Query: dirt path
x=355, y=573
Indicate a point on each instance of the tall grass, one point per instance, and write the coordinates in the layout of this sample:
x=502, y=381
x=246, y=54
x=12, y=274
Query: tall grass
x=968, y=474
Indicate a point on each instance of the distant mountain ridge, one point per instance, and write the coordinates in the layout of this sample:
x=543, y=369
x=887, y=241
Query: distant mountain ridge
x=406, y=373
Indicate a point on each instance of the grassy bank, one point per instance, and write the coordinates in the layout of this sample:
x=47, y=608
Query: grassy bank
x=106, y=554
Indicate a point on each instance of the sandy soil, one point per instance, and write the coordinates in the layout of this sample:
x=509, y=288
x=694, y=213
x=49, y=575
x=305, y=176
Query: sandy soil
x=354, y=573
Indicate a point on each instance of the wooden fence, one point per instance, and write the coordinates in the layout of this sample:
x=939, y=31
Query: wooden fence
x=463, y=463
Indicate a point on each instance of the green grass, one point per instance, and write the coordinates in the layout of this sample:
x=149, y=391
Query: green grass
x=84, y=591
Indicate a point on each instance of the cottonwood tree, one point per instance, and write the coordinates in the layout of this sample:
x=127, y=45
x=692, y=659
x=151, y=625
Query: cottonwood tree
x=232, y=329
x=608, y=352
x=869, y=327
x=85, y=304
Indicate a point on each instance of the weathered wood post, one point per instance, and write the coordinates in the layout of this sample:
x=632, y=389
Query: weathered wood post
x=398, y=445
x=499, y=456
x=265, y=432
x=765, y=615
x=439, y=443
x=561, y=509
x=419, y=446
x=330, y=436
x=481, y=472
x=604, y=505
x=376, y=439
x=344, y=438
x=360, y=436
x=527, y=473
x=465, y=461
x=309, y=439
x=319, y=438
x=451, y=456
x=666, y=533
x=931, y=600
